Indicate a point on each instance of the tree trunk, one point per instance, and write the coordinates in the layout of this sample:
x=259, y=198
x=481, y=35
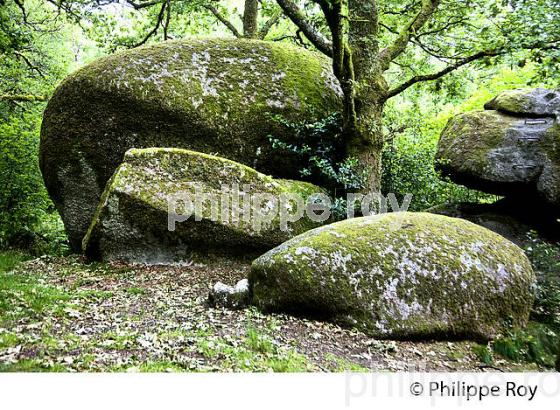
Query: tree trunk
x=250, y=19
x=365, y=141
x=364, y=104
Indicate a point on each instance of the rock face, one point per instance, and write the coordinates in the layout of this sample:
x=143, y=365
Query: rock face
x=212, y=96
x=400, y=275
x=132, y=221
x=503, y=154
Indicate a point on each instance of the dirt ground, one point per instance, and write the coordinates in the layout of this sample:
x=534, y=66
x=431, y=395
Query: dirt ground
x=65, y=315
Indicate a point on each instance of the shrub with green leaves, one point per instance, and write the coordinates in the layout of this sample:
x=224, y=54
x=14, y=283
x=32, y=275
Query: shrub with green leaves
x=28, y=219
x=538, y=343
x=23, y=199
x=408, y=168
x=320, y=145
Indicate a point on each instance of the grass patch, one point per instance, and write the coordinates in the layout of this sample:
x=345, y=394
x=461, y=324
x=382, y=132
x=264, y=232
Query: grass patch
x=339, y=364
x=538, y=343
x=89, y=294
x=483, y=354
x=31, y=366
x=11, y=259
x=136, y=291
x=8, y=340
x=24, y=295
x=257, y=352
x=118, y=340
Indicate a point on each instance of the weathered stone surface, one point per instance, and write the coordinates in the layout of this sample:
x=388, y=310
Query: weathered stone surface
x=230, y=297
x=503, y=154
x=537, y=102
x=213, y=96
x=131, y=222
x=400, y=275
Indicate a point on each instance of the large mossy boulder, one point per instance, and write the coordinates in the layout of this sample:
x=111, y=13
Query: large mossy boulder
x=400, y=275
x=214, y=204
x=503, y=154
x=214, y=96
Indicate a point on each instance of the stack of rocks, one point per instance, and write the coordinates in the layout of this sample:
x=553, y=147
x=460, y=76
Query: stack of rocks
x=207, y=96
x=511, y=149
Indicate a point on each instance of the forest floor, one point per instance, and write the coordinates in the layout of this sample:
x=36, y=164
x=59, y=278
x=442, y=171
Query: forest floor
x=60, y=314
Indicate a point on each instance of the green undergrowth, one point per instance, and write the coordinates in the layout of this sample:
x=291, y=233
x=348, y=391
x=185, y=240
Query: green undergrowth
x=257, y=351
x=26, y=296
x=537, y=343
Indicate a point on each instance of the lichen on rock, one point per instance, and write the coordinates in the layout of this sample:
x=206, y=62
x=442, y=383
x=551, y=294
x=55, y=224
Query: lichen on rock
x=536, y=102
x=209, y=95
x=399, y=275
x=503, y=154
x=151, y=185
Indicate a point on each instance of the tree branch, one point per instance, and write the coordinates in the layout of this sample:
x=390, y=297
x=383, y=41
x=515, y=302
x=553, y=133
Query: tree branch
x=29, y=64
x=223, y=20
x=155, y=29
x=297, y=17
x=19, y=3
x=139, y=6
x=397, y=48
x=22, y=98
x=552, y=45
x=269, y=24
x=434, y=76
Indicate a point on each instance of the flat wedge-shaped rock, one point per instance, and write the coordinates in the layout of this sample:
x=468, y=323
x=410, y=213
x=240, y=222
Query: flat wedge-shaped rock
x=216, y=205
x=537, y=102
x=216, y=96
x=400, y=275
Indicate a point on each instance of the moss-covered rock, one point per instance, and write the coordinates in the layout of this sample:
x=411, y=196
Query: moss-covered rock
x=213, y=96
x=132, y=221
x=503, y=154
x=527, y=102
x=400, y=275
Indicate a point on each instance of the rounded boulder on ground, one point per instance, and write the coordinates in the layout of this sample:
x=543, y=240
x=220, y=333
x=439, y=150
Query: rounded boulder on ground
x=400, y=275
x=214, y=96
